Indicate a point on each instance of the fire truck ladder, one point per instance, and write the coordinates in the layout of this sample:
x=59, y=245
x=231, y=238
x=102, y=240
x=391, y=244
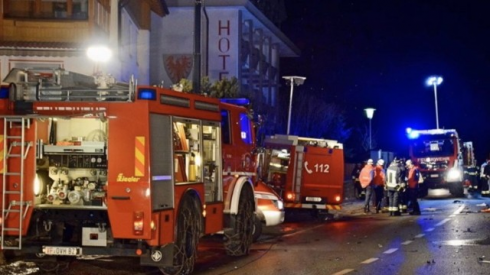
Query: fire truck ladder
x=11, y=206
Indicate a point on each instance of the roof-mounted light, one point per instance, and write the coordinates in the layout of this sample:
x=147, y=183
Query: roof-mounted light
x=236, y=101
x=147, y=94
x=4, y=92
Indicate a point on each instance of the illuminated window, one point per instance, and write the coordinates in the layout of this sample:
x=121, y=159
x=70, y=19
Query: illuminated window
x=245, y=129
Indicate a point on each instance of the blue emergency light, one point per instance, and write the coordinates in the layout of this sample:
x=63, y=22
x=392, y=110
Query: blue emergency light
x=412, y=134
x=4, y=92
x=236, y=101
x=147, y=94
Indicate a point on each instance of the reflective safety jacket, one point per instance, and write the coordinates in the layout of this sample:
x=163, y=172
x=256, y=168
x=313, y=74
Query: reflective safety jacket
x=366, y=176
x=394, y=177
x=379, y=176
x=413, y=177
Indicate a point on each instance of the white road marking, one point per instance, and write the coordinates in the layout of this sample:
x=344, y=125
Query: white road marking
x=459, y=209
x=406, y=242
x=419, y=236
x=368, y=261
x=429, y=229
x=345, y=271
x=389, y=251
x=442, y=222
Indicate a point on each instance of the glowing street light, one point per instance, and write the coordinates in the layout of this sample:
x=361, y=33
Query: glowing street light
x=99, y=53
x=435, y=81
x=370, y=114
x=293, y=80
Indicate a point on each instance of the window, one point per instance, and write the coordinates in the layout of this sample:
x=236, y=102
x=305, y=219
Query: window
x=245, y=130
x=46, y=9
x=225, y=127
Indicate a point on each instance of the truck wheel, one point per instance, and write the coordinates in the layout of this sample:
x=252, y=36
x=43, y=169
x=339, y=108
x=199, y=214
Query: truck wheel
x=188, y=233
x=423, y=191
x=457, y=190
x=257, y=231
x=238, y=238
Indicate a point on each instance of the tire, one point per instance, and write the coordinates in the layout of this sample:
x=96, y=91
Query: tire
x=239, y=237
x=423, y=191
x=457, y=190
x=257, y=231
x=188, y=231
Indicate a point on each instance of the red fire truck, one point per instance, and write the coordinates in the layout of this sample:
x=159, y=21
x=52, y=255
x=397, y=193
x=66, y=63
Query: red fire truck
x=106, y=168
x=439, y=156
x=308, y=173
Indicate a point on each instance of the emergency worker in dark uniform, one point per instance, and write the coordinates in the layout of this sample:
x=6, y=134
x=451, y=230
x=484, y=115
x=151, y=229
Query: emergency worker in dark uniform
x=394, y=183
x=360, y=192
x=471, y=174
x=485, y=192
x=482, y=179
x=413, y=176
x=403, y=194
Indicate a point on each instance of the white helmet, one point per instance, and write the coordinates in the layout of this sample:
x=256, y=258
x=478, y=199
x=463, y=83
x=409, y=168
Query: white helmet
x=380, y=162
x=408, y=162
x=370, y=161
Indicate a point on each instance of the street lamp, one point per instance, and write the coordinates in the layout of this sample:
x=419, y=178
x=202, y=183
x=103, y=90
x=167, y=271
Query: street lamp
x=99, y=53
x=293, y=80
x=370, y=114
x=435, y=81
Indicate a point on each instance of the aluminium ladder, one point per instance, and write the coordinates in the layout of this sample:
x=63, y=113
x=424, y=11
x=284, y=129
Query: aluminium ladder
x=11, y=206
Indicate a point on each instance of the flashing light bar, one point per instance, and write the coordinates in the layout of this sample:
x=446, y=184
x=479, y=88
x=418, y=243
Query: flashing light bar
x=147, y=94
x=236, y=101
x=413, y=134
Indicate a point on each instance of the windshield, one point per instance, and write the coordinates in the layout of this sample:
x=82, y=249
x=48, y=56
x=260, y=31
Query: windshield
x=433, y=147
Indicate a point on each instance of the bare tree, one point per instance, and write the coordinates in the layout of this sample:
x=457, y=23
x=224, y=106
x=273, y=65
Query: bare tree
x=313, y=117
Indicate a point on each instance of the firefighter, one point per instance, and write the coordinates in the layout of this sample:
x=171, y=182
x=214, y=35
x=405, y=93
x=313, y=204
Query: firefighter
x=483, y=178
x=471, y=175
x=366, y=181
x=403, y=194
x=394, y=183
x=379, y=180
x=485, y=192
x=355, y=179
x=413, y=177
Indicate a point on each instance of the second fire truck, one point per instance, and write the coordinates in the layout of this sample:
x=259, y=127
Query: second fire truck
x=308, y=173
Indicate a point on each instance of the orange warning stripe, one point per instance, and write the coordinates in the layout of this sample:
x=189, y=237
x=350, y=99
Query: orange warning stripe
x=139, y=157
x=1, y=154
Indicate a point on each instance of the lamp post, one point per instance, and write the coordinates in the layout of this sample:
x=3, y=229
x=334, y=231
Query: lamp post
x=370, y=114
x=293, y=80
x=435, y=81
x=98, y=54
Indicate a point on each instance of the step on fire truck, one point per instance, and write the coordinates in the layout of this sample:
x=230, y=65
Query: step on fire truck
x=308, y=173
x=439, y=155
x=106, y=168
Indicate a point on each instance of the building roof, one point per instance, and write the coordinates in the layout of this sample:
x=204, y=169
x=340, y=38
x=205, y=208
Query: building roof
x=34, y=48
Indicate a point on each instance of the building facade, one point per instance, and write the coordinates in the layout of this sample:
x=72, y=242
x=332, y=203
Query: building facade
x=154, y=41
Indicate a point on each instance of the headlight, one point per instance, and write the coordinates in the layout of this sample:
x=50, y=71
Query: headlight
x=279, y=204
x=453, y=175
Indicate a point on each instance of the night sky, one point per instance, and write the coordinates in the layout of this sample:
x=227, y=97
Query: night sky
x=372, y=53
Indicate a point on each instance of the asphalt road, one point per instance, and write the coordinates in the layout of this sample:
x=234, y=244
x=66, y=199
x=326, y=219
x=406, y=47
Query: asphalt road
x=452, y=236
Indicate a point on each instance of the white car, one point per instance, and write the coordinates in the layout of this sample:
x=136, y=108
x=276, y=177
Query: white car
x=270, y=208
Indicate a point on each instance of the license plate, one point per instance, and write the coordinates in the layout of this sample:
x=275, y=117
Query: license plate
x=315, y=199
x=434, y=176
x=62, y=250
